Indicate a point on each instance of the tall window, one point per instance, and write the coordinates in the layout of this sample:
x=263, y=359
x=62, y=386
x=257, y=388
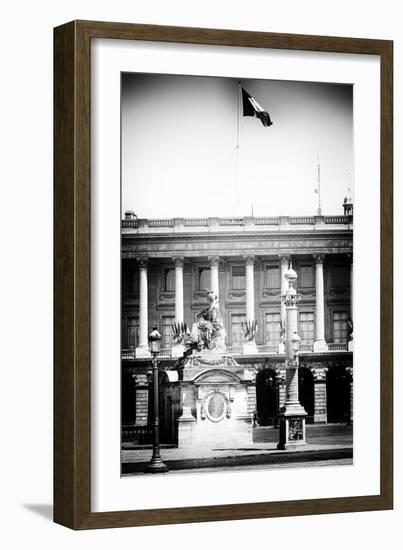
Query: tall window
x=167, y=322
x=272, y=328
x=131, y=282
x=238, y=277
x=272, y=277
x=236, y=329
x=306, y=276
x=340, y=331
x=341, y=276
x=169, y=280
x=204, y=278
x=132, y=332
x=307, y=327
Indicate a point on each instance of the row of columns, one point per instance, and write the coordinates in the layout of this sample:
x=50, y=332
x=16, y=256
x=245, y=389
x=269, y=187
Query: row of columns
x=319, y=343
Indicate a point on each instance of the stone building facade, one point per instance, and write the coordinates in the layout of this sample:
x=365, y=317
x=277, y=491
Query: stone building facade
x=167, y=265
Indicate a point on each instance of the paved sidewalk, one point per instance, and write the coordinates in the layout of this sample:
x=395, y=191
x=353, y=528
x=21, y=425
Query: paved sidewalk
x=331, y=444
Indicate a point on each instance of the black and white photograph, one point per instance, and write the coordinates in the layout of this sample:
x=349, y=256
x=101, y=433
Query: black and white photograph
x=237, y=340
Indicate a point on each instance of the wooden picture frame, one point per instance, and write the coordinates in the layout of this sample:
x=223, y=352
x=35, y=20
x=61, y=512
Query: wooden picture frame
x=72, y=270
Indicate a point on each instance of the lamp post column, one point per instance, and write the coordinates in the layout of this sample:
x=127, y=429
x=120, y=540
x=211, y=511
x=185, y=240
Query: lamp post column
x=250, y=346
x=156, y=465
x=284, y=262
x=320, y=342
x=292, y=415
x=142, y=349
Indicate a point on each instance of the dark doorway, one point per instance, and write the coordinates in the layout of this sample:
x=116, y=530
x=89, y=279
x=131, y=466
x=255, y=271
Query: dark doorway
x=266, y=398
x=338, y=395
x=306, y=392
x=128, y=402
x=167, y=410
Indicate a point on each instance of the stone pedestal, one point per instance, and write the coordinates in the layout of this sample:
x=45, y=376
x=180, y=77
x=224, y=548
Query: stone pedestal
x=292, y=415
x=292, y=430
x=217, y=402
x=320, y=346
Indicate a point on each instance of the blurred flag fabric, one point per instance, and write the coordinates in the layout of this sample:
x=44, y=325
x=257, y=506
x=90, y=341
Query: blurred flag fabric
x=252, y=108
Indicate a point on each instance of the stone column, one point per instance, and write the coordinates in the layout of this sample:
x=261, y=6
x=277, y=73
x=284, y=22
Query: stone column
x=214, y=264
x=178, y=348
x=320, y=396
x=178, y=260
x=320, y=342
x=250, y=346
x=284, y=262
x=142, y=349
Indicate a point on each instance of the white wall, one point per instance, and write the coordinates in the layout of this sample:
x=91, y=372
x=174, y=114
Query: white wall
x=26, y=263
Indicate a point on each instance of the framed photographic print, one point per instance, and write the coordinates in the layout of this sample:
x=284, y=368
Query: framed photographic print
x=223, y=275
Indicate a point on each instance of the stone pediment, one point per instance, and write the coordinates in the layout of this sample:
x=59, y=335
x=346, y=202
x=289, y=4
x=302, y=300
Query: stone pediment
x=217, y=376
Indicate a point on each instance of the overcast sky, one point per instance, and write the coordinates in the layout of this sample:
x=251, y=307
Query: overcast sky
x=179, y=137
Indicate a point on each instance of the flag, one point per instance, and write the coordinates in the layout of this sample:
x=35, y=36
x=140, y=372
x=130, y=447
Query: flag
x=252, y=108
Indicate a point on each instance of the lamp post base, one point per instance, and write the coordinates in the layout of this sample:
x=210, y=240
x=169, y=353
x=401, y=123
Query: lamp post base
x=156, y=466
x=292, y=431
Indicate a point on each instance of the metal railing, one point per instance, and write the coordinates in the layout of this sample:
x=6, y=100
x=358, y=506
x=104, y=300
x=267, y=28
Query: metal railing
x=340, y=346
x=305, y=347
x=131, y=353
x=268, y=348
x=138, y=435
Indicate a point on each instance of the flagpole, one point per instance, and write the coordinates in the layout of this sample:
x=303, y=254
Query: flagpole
x=318, y=188
x=238, y=152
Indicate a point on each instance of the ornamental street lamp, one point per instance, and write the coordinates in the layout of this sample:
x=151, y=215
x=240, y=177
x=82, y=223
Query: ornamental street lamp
x=156, y=465
x=292, y=415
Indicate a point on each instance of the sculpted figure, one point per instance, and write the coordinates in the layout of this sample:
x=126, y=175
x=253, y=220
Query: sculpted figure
x=210, y=325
